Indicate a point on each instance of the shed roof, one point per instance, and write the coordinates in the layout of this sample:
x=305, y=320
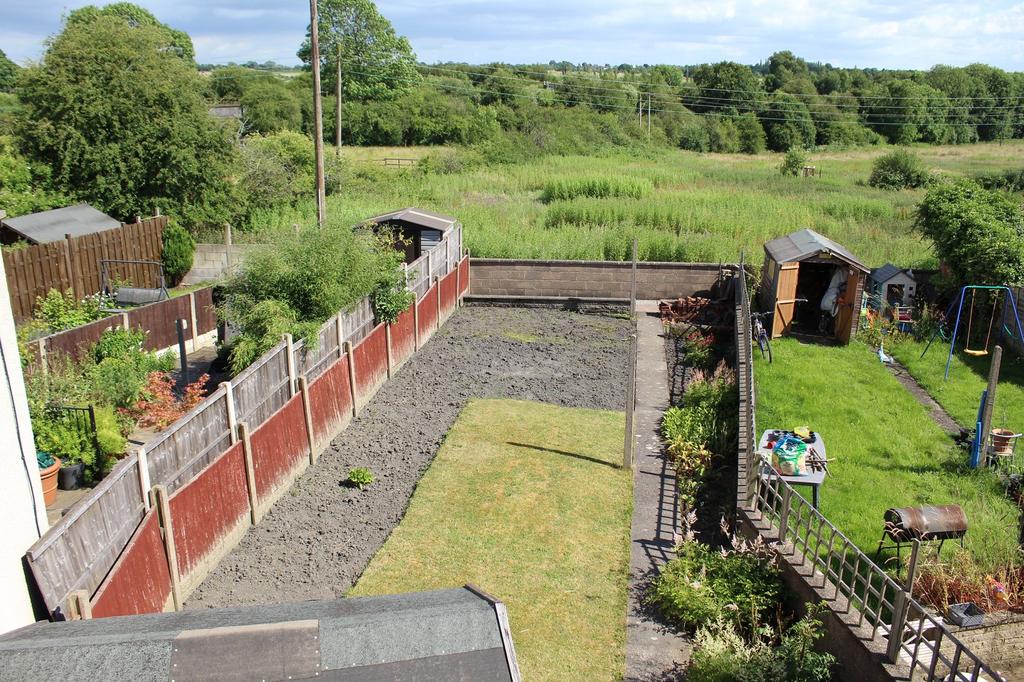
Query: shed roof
x=805, y=244
x=886, y=272
x=51, y=226
x=417, y=217
x=445, y=634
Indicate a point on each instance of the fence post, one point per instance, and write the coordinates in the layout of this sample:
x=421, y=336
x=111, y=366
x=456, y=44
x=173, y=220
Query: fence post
x=352, y=378
x=901, y=608
x=339, y=323
x=416, y=323
x=307, y=411
x=195, y=320
x=437, y=298
x=289, y=348
x=179, y=327
x=250, y=472
x=787, y=497
x=73, y=275
x=124, y=321
x=44, y=363
x=430, y=264
x=142, y=461
x=81, y=607
x=629, y=446
x=387, y=343
x=227, y=245
x=163, y=507
x=229, y=396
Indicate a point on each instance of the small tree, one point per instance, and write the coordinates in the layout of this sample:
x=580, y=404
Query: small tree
x=179, y=249
x=792, y=163
x=899, y=169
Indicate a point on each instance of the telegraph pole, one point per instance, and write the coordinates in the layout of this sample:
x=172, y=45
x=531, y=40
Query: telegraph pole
x=648, y=117
x=318, y=118
x=337, y=108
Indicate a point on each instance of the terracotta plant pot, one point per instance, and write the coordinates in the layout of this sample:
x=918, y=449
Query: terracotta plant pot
x=1002, y=441
x=48, y=476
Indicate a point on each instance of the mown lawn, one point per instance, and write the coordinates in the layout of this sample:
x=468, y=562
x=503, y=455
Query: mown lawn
x=888, y=452
x=527, y=501
x=968, y=377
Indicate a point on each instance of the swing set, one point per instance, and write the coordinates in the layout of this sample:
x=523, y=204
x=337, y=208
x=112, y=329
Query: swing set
x=1009, y=303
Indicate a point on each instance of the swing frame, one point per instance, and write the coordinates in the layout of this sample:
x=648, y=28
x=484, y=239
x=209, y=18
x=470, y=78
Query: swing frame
x=1008, y=301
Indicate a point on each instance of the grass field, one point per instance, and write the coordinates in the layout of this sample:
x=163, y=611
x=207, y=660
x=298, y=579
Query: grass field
x=888, y=452
x=526, y=501
x=968, y=377
x=703, y=207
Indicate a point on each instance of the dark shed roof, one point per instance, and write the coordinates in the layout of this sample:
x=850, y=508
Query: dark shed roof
x=885, y=273
x=51, y=226
x=806, y=244
x=459, y=634
x=416, y=217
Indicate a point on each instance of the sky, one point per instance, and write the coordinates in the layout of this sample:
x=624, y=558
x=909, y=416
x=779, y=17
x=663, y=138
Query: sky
x=863, y=33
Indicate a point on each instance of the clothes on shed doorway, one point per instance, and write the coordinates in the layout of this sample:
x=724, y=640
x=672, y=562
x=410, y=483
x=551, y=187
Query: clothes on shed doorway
x=835, y=289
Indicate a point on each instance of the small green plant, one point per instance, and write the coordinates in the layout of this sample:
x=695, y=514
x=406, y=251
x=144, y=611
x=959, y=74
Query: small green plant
x=58, y=310
x=359, y=477
x=179, y=249
x=899, y=169
x=793, y=162
x=391, y=298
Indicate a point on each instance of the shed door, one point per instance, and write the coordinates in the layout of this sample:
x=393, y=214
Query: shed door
x=785, y=298
x=850, y=307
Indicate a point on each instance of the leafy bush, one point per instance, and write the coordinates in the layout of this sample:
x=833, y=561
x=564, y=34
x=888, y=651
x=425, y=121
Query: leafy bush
x=118, y=343
x=158, y=407
x=899, y=169
x=702, y=585
x=793, y=162
x=978, y=233
x=360, y=477
x=596, y=187
x=121, y=367
x=391, y=298
x=295, y=284
x=58, y=310
x=722, y=655
x=179, y=248
x=1010, y=180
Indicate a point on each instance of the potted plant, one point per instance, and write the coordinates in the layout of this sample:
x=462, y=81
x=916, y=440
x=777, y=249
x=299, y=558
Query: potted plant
x=71, y=475
x=67, y=443
x=48, y=468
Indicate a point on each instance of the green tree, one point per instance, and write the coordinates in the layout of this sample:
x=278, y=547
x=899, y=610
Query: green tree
x=724, y=86
x=8, y=73
x=787, y=122
x=978, y=233
x=361, y=56
x=177, y=41
x=123, y=124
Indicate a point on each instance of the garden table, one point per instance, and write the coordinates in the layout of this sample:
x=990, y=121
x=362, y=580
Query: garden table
x=816, y=461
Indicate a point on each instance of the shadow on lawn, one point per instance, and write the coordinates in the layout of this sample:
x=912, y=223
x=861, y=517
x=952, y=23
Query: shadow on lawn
x=575, y=455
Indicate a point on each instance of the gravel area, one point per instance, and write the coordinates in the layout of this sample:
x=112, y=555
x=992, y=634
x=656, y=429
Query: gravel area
x=317, y=539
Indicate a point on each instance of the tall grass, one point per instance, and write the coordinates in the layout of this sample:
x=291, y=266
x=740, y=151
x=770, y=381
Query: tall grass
x=597, y=187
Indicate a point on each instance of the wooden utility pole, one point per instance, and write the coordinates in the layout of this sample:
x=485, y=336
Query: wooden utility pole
x=318, y=118
x=648, y=117
x=337, y=107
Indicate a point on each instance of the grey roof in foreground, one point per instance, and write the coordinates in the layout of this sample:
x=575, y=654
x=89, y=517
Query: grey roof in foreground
x=458, y=634
x=51, y=226
x=805, y=244
x=885, y=273
x=417, y=217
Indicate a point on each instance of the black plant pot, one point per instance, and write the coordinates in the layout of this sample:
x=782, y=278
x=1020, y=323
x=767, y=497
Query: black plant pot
x=71, y=477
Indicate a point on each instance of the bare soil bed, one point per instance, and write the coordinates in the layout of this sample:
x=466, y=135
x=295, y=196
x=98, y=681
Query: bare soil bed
x=318, y=538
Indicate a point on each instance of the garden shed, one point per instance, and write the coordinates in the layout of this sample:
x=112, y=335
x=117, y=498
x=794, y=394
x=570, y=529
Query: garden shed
x=423, y=229
x=56, y=224
x=813, y=285
x=895, y=286
x=459, y=634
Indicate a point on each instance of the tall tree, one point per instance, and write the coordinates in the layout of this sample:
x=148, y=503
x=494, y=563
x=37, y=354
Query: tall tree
x=177, y=41
x=123, y=123
x=361, y=56
x=8, y=73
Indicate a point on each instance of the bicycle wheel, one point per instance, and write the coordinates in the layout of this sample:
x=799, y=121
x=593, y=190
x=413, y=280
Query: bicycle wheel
x=765, y=346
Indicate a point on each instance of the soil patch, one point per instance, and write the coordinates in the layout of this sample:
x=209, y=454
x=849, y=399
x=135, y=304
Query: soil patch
x=315, y=542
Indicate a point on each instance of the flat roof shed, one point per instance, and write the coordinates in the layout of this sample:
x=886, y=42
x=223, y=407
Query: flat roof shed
x=423, y=230
x=53, y=225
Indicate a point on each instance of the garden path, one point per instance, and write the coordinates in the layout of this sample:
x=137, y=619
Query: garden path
x=935, y=410
x=653, y=651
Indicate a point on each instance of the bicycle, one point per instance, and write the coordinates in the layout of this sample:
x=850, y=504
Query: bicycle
x=760, y=334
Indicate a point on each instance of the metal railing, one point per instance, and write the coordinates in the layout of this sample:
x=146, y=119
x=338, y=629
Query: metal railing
x=849, y=581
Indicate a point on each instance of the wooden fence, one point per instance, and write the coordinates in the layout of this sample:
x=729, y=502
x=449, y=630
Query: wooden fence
x=265, y=426
x=75, y=263
x=156, y=319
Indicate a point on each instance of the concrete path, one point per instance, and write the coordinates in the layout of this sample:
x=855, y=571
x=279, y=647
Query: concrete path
x=652, y=651
x=935, y=411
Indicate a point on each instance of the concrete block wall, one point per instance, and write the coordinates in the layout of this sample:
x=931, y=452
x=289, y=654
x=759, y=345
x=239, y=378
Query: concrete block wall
x=1000, y=643
x=211, y=262
x=589, y=279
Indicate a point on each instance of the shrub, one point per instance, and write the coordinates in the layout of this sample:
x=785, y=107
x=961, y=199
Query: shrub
x=722, y=655
x=702, y=585
x=360, y=477
x=391, y=298
x=179, y=248
x=899, y=169
x=793, y=162
x=58, y=310
x=158, y=407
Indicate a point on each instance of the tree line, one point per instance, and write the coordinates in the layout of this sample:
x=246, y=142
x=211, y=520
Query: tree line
x=116, y=113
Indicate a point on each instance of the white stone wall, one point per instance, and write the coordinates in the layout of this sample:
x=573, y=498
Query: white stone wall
x=24, y=516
